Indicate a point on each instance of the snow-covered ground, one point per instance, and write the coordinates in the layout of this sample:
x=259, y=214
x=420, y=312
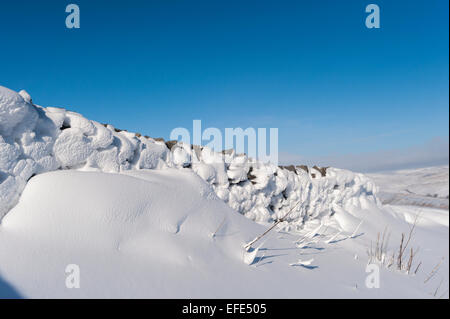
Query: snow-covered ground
x=426, y=187
x=149, y=233
x=142, y=218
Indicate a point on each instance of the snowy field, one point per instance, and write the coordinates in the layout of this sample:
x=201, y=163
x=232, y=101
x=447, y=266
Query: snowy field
x=426, y=187
x=142, y=218
x=149, y=234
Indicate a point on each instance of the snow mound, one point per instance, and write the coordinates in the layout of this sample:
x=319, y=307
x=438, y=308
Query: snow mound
x=128, y=217
x=130, y=209
x=165, y=234
x=34, y=140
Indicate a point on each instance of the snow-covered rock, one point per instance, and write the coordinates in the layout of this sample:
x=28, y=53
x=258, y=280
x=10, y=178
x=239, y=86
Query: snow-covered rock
x=16, y=114
x=34, y=140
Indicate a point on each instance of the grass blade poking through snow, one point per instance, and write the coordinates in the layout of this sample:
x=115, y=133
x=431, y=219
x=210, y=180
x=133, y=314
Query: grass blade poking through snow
x=218, y=228
x=356, y=229
x=248, y=245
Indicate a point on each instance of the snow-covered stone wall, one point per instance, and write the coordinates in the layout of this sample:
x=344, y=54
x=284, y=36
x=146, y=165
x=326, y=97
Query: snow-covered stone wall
x=34, y=140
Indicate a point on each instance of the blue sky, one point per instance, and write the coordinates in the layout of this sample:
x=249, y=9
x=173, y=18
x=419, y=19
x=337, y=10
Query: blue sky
x=311, y=68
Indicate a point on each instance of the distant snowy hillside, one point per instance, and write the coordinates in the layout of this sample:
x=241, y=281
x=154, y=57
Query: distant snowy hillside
x=419, y=187
x=34, y=140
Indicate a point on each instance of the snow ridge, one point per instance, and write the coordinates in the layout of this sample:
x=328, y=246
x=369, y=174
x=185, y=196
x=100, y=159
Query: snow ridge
x=34, y=140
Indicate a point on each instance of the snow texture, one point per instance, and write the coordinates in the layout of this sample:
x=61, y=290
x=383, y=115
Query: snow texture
x=34, y=140
x=147, y=234
x=425, y=187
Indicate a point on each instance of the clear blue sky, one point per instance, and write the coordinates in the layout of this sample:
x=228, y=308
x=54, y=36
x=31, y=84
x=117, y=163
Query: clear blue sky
x=310, y=68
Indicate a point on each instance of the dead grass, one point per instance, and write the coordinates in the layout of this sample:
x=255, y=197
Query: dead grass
x=434, y=271
x=404, y=259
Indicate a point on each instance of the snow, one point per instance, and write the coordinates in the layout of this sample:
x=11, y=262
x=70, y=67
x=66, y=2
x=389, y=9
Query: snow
x=72, y=147
x=35, y=140
x=141, y=220
x=147, y=233
x=419, y=187
x=15, y=113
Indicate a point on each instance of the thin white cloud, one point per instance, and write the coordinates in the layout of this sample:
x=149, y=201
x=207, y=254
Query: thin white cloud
x=433, y=152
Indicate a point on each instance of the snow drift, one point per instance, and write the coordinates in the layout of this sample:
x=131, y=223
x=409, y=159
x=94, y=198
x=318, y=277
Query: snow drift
x=165, y=234
x=125, y=232
x=35, y=139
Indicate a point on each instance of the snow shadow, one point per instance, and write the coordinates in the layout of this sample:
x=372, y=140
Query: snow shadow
x=311, y=267
x=259, y=259
x=7, y=291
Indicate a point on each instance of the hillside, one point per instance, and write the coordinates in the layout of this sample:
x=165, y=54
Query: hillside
x=427, y=187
